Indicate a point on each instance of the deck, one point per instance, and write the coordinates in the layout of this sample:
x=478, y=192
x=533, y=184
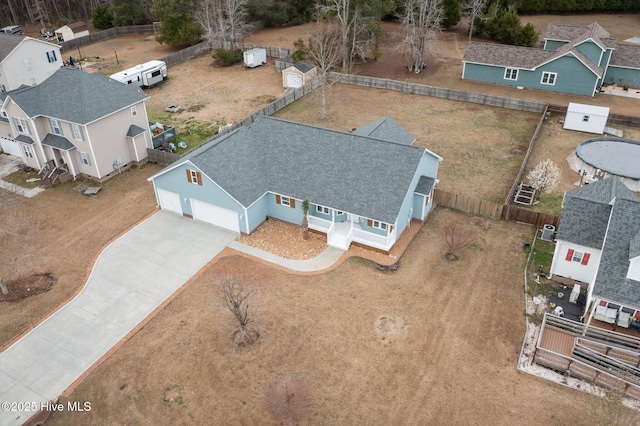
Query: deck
x=598, y=355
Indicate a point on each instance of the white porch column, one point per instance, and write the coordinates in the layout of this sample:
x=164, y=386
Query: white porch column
x=70, y=163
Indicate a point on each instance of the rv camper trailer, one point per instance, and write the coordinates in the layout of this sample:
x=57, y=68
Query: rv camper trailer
x=143, y=75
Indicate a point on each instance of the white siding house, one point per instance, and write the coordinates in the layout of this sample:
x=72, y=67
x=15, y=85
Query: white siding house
x=26, y=61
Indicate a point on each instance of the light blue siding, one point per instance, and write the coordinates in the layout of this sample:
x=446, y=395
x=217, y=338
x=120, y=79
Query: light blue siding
x=286, y=213
x=258, y=212
x=591, y=51
x=619, y=76
x=553, y=45
x=363, y=224
x=572, y=76
x=177, y=182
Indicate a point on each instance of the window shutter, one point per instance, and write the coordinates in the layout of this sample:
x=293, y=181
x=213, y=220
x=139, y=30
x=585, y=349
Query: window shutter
x=48, y=57
x=53, y=55
x=369, y=222
x=199, y=177
x=188, y=175
x=278, y=200
x=390, y=228
x=292, y=203
x=585, y=258
x=569, y=255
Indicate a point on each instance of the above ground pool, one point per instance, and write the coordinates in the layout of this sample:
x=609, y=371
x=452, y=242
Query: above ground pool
x=617, y=156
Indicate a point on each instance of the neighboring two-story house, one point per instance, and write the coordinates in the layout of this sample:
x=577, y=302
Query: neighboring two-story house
x=26, y=61
x=574, y=59
x=598, y=247
x=83, y=124
x=363, y=187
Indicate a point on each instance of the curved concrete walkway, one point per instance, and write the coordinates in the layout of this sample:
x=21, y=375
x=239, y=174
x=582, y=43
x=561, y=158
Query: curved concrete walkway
x=130, y=279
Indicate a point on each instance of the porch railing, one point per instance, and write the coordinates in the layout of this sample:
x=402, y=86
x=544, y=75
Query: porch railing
x=319, y=224
x=382, y=242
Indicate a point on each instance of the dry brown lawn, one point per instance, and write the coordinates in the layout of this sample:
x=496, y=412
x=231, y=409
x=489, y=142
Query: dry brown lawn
x=450, y=361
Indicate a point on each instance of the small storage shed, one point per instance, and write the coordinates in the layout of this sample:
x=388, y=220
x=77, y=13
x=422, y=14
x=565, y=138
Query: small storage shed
x=586, y=118
x=297, y=75
x=71, y=31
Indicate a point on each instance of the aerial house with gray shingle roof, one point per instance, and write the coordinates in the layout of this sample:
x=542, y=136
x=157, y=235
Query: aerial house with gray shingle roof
x=78, y=123
x=26, y=61
x=364, y=187
x=598, y=247
x=574, y=59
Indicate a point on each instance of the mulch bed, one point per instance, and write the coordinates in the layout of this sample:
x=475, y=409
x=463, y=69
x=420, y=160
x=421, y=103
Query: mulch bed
x=28, y=286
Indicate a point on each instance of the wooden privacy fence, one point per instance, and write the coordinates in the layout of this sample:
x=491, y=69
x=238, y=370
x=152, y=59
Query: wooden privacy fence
x=493, y=210
x=440, y=92
x=105, y=35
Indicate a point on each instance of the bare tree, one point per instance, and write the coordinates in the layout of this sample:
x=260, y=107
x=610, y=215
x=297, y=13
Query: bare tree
x=324, y=50
x=545, y=176
x=421, y=21
x=223, y=21
x=455, y=238
x=474, y=8
x=289, y=400
x=238, y=300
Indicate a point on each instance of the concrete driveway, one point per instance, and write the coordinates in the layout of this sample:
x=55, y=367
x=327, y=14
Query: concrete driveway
x=131, y=278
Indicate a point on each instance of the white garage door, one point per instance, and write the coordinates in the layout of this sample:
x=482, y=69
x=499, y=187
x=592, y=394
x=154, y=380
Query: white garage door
x=169, y=201
x=294, y=81
x=215, y=215
x=9, y=146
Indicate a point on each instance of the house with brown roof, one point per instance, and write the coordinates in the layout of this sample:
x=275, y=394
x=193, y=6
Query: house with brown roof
x=573, y=59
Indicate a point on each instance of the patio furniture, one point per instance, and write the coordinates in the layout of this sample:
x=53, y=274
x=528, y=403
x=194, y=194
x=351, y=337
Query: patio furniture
x=558, y=311
x=575, y=293
x=624, y=319
x=601, y=313
x=611, y=316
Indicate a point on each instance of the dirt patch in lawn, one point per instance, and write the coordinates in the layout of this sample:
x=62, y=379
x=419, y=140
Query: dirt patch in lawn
x=31, y=285
x=74, y=229
x=285, y=240
x=461, y=325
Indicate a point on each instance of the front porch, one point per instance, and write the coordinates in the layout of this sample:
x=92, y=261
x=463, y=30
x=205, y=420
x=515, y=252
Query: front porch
x=342, y=234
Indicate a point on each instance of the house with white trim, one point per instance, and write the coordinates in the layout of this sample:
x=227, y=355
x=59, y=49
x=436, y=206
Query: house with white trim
x=598, y=247
x=26, y=61
x=364, y=187
x=76, y=123
x=573, y=59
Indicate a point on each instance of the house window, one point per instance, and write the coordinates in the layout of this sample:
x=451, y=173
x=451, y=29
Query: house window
x=27, y=63
x=339, y=213
x=134, y=112
x=322, y=209
x=585, y=118
x=549, y=78
x=286, y=201
x=379, y=225
x=27, y=151
x=194, y=176
x=34, y=82
x=77, y=132
x=2, y=88
x=21, y=125
x=51, y=56
x=55, y=126
x=84, y=158
x=576, y=256
x=510, y=74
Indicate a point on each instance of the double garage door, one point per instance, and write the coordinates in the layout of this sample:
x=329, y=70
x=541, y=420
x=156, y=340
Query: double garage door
x=205, y=212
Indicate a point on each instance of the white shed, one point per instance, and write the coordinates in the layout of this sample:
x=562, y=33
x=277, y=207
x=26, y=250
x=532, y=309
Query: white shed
x=71, y=31
x=586, y=118
x=298, y=75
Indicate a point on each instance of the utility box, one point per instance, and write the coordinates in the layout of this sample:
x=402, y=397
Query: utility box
x=255, y=57
x=547, y=232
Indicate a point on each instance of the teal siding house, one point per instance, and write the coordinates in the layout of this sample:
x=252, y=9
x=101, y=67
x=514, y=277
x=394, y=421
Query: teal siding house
x=574, y=59
x=364, y=187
